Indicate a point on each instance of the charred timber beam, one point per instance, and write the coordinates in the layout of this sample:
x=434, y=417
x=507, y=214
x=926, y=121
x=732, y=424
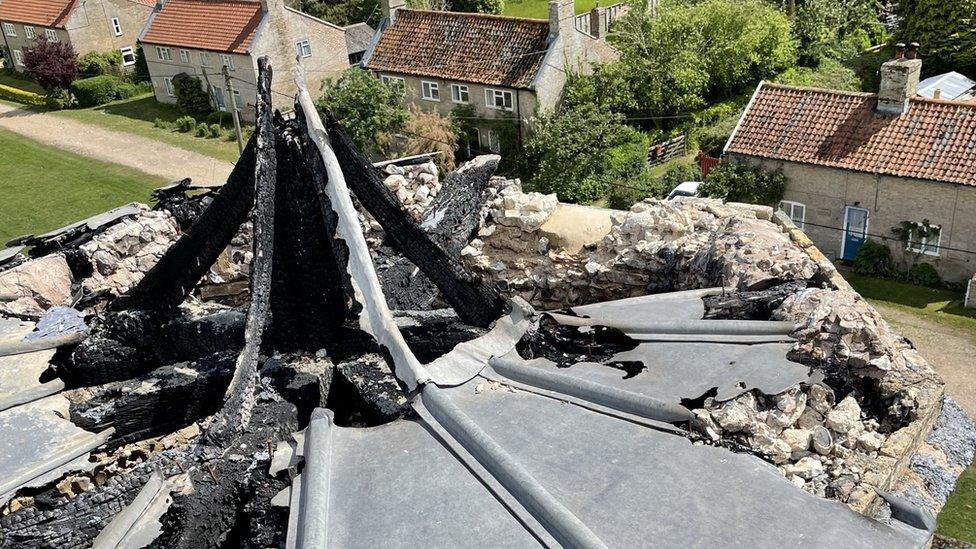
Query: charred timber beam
x=239, y=398
x=167, y=284
x=476, y=303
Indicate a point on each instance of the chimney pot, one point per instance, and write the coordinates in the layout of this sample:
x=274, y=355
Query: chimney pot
x=900, y=50
x=937, y=94
x=913, y=50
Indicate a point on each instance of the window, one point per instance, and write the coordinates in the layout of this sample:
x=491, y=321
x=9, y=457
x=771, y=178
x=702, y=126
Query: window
x=459, y=93
x=238, y=103
x=116, y=26
x=355, y=58
x=52, y=35
x=226, y=61
x=924, y=238
x=430, y=90
x=498, y=99
x=128, y=57
x=304, y=49
x=184, y=56
x=168, y=83
x=163, y=54
x=393, y=81
x=29, y=32
x=797, y=212
x=490, y=140
x=18, y=58
x=205, y=59
x=9, y=30
x=218, y=96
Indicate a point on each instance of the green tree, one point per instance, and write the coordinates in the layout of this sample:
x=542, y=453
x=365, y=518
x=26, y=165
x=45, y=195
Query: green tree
x=945, y=29
x=478, y=6
x=737, y=182
x=191, y=97
x=369, y=109
x=581, y=152
x=831, y=29
x=344, y=12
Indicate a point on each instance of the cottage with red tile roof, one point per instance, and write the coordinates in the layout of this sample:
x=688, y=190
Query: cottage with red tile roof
x=860, y=164
x=503, y=67
x=88, y=25
x=200, y=37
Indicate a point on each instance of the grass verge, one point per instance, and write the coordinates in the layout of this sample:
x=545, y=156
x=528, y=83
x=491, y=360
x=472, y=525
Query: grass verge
x=44, y=188
x=958, y=518
x=137, y=116
x=539, y=9
x=21, y=83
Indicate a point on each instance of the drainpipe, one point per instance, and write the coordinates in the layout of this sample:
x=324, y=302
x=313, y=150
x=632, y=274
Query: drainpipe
x=10, y=53
x=518, y=114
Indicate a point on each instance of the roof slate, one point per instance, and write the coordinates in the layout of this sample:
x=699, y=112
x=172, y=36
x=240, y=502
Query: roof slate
x=484, y=49
x=217, y=25
x=934, y=140
x=44, y=13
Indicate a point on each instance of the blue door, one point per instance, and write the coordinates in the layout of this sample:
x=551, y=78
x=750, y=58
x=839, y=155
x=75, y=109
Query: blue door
x=855, y=231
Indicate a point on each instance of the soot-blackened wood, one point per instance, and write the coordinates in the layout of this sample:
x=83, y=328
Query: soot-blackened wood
x=155, y=404
x=755, y=305
x=167, y=284
x=239, y=399
x=310, y=292
x=476, y=303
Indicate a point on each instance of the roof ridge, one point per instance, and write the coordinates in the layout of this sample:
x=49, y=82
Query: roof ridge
x=819, y=90
x=481, y=15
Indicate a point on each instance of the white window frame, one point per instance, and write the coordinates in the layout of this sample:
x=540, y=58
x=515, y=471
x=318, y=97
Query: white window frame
x=184, y=56
x=489, y=139
x=237, y=100
x=51, y=35
x=922, y=245
x=460, y=94
x=303, y=48
x=117, y=26
x=9, y=30
x=226, y=60
x=168, y=84
x=492, y=96
x=30, y=32
x=430, y=91
x=205, y=59
x=393, y=81
x=218, y=97
x=163, y=53
x=128, y=50
x=790, y=208
x=18, y=58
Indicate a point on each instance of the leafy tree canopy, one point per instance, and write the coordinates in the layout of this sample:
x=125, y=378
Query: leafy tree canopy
x=53, y=64
x=946, y=31
x=737, y=182
x=368, y=108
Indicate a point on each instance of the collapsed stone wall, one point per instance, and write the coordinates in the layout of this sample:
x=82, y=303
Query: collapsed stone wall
x=415, y=186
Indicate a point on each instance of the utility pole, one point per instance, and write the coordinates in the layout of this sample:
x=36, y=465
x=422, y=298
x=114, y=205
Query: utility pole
x=233, y=110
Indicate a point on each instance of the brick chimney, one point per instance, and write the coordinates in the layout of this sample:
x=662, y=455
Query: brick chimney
x=561, y=16
x=598, y=22
x=390, y=7
x=899, y=80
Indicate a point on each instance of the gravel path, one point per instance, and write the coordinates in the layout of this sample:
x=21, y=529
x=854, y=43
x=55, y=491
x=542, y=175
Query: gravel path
x=952, y=352
x=130, y=150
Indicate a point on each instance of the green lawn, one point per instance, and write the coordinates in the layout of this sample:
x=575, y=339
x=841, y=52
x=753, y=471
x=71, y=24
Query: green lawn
x=44, y=188
x=539, y=9
x=137, y=115
x=958, y=519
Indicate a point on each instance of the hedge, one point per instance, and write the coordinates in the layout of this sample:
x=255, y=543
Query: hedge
x=99, y=90
x=20, y=96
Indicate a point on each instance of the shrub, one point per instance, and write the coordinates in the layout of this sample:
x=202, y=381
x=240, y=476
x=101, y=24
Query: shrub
x=428, y=132
x=99, y=63
x=220, y=117
x=924, y=274
x=215, y=131
x=161, y=124
x=99, y=90
x=185, y=124
x=57, y=100
x=203, y=129
x=368, y=108
x=743, y=183
x=53, y=64
x=191, y=98
x=873, y=259
x=20, y=96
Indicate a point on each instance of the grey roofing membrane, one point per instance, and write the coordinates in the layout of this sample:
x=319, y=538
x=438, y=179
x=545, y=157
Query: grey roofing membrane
x=951, y=84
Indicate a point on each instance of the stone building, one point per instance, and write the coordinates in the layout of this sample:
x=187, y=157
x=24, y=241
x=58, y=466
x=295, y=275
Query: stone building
x=503, y=68
x=92, y=25
x=200, y=37
x=859, y=165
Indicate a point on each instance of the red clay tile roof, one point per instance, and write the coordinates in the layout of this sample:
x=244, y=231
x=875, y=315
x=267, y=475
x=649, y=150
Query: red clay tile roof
x=43, y=13
x=217, y=25
x=934, y=140
x=485, y=49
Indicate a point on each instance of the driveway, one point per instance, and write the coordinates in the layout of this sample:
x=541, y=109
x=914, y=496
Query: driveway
x=127, y=149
